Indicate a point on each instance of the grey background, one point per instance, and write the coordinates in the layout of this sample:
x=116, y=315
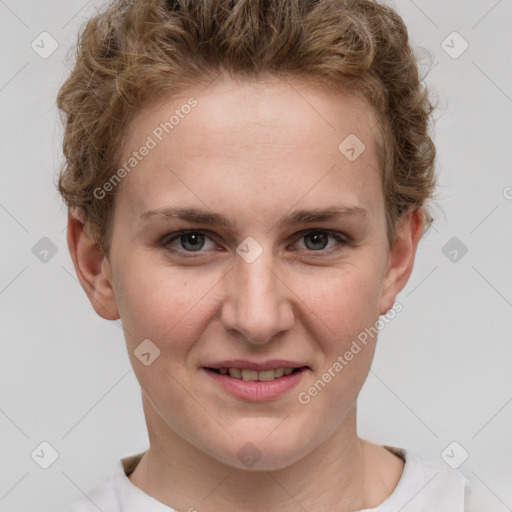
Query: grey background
x=442, y=368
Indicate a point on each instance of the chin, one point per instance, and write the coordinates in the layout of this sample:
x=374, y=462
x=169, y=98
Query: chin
x=259, y=451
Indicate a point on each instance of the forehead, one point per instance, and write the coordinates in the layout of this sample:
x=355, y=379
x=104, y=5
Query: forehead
x=276, y=139
x=252, y=111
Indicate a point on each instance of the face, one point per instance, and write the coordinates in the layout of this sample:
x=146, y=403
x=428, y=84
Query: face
x=283, y=263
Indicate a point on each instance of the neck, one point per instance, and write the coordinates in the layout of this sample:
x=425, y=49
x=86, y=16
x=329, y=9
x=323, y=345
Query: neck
x=331, y=477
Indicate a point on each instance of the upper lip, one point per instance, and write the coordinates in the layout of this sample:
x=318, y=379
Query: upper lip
x=260, y=366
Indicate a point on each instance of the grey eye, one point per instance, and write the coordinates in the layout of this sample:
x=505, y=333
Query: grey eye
x=318, y=240
x=195, y=241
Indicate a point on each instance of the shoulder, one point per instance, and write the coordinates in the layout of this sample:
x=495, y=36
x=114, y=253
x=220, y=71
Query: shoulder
x=102, y=497
x=119, y=494
x=425, y=486
x=106, y=496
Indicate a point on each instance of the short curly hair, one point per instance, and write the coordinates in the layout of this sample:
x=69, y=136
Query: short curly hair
x=138, y=50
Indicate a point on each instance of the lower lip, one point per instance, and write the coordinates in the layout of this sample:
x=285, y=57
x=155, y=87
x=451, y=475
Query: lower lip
x=257, y=391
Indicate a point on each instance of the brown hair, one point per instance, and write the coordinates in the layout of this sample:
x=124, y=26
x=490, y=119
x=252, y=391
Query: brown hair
x=139, y=50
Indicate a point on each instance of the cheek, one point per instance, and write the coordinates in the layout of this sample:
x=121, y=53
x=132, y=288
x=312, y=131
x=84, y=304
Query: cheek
x=159, y=303
x=344, y=308
x=345, y=301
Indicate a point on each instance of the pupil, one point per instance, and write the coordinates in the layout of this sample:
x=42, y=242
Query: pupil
x=318, y=238
x=193, y=238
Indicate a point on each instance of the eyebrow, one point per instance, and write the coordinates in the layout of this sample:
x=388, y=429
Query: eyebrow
x=208, y=217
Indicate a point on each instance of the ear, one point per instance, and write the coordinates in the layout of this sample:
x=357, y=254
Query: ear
x=92, y=267
x=401, y=258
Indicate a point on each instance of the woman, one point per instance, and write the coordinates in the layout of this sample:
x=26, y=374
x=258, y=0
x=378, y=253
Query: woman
x=247, y=184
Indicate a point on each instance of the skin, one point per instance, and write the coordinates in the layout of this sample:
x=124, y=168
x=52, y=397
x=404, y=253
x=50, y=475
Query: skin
x=254, y=152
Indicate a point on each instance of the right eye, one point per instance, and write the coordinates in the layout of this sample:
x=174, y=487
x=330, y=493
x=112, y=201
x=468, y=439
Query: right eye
x=189, y=241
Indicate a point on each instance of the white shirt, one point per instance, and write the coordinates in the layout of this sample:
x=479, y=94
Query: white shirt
x=423, y=487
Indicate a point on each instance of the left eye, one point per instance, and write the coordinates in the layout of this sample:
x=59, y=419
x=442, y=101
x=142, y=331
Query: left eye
x=319, y=239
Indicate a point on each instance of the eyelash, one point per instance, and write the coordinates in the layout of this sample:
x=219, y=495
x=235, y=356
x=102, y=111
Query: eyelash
x=341, y=239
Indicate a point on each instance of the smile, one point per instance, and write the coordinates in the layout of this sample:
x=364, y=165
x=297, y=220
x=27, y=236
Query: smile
x=254, y=375
x=256, y=385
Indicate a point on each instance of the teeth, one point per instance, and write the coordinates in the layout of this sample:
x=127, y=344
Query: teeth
x=279, y=372
x=253, y=375
x=235, y=373
x=265, y=375
x=250, y=375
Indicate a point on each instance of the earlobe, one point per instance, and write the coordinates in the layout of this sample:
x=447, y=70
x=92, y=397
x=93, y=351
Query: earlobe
x=401, y=258
x=92, y=267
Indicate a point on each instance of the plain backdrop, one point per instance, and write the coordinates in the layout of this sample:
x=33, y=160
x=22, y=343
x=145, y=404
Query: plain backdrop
x=441, y=373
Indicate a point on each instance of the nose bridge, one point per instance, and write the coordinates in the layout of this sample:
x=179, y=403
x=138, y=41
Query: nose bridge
x=257, y=305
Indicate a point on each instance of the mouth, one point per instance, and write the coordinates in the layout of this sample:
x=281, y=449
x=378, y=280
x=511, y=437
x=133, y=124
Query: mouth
x=256, y=381
x=249, y=375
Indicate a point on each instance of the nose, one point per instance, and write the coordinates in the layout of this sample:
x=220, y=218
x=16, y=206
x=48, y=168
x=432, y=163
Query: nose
x=259, y=303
